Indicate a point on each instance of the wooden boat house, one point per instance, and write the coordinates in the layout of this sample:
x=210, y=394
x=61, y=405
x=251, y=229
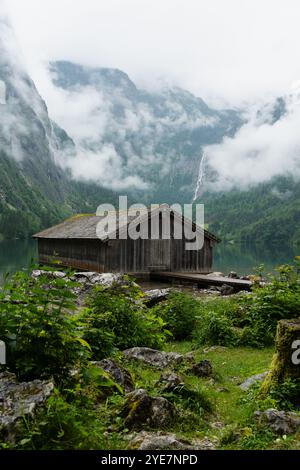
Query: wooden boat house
x=76, y=243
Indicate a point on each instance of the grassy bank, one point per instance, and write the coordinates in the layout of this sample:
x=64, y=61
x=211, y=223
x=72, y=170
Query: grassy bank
x=49, y=337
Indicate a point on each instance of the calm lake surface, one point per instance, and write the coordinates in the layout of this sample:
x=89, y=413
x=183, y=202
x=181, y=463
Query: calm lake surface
x=19, y=254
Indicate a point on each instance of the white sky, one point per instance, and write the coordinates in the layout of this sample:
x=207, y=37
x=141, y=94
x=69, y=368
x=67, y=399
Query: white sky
x=222, y=50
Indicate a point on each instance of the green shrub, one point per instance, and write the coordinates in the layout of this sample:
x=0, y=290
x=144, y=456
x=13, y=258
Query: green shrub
x=251, y=320
x=216, y=321
x=116, y=318
x=197, y=400
x=277, y=300
x=42, y=337
x=63, y=425
x=286, y=394
x=73, y=418
x=179, y=312
x=214, y=329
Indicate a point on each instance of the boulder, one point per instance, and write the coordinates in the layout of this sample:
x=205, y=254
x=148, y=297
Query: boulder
x=105, y=279
x=167, y=441
x=140, y=410
x=170, y=382
x=121, y=376
x=19, y=400
x=50, y=274
x=87, y=279
x=152, y=357
x=215, y=274
x=280, y=422
x=155, y=296
x=202, y=369
x=253, y=380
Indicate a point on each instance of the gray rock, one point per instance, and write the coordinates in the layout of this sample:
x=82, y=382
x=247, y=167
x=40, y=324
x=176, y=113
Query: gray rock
x=105, y=279
x=214, y=349
x=140, y=410
x=155, y=296
x=50, y=274
x=159, y=359
x=280, y=422
x=233, y=275
x=18, y=400
x=253, y=380
x=169, y=382
x=84, y=278
x=202, y=369
x=167, y=441
x=120, y=375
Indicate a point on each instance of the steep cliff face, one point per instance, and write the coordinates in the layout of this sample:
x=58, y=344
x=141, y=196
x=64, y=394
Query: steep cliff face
x=34, y=189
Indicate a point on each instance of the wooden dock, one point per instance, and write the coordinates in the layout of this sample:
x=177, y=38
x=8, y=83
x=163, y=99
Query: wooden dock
x=202, y=280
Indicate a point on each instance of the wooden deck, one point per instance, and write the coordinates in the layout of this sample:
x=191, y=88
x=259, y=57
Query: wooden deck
x=202, y=280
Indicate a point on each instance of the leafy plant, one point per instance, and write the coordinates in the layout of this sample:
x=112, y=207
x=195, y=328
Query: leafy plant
x=214, y=329
x=116, y=318
x=287, y=394
x=179, y=312
x=278, y=299
x=216, y=321
x=42, y=337
x=64, y=424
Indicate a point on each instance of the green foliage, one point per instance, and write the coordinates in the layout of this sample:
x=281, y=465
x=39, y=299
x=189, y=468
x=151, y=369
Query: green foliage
x=267, y=213
x=286, y=394
x=66, y=423
x=42, y=336
x=179, y=312
x=213, y=329
x=251, y=320
x=215, y=324
x=116, y=318
x=197, y=400
x=30, y=201
x=279, y=299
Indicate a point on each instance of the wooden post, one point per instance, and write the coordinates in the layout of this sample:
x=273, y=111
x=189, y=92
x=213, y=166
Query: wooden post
x=286, y=361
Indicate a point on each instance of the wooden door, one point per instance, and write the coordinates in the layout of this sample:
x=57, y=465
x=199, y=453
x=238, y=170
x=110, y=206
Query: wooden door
x=160, y=255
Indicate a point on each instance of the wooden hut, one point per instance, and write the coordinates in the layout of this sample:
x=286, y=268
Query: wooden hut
x=76, y=243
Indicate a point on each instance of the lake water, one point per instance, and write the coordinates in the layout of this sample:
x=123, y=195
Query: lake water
x=16, y=255
x=245, y=258
x=19, y=254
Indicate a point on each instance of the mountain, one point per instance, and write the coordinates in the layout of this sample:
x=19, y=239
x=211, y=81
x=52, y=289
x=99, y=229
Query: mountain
x=158, y=136
x=117, y=138
x=34, y=190
x=268, y=213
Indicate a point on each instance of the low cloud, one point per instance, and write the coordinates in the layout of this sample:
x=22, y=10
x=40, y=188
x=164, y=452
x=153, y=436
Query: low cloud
x=260, y=150
x=120, y=141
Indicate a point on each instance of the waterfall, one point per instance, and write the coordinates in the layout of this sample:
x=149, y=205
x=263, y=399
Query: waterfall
x=201, y=176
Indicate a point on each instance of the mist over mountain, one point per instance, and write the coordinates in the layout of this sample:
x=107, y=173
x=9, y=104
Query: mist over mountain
x=104, y=136
x=34, y=190
x=134, y=139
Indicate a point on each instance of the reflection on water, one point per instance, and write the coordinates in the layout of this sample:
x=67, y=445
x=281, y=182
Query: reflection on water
x=245, y=258
x=18, y=254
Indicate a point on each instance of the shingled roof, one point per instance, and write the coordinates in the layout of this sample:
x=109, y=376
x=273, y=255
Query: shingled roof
x=85, y=226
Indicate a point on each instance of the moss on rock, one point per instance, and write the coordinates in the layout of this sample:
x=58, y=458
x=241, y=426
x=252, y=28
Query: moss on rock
x=282, y=366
